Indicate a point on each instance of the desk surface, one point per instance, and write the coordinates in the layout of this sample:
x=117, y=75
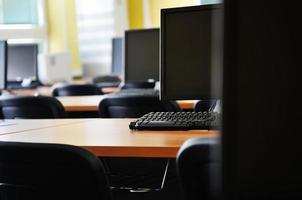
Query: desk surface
x=47, y=91
x=81, y=103
x=104, y=137
x=84, y=103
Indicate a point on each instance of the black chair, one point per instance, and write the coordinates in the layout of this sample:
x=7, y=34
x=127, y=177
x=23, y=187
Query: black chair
x=76, y=90
x=106, y=81
x=148, y=176
x=32, y=171
x=138, y=84
x=131, y=106
x=198, y=169
x=205, y=105
x=30, y=107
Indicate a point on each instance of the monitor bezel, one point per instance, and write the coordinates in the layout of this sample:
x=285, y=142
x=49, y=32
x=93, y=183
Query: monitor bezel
x=5, y=65
x=127, y=32
x=164, y=12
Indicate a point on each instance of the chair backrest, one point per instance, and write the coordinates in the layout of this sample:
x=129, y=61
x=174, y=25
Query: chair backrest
x=124, y=106
x=198, y=171
x=31, y=107
x=205, y=105
x=138, y=84
x=50, y=171
x=76, y=90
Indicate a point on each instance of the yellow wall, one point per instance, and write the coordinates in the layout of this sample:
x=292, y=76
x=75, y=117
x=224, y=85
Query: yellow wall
x=62, y=30
x=55, y=23
x=135, y=14
x=156, y=5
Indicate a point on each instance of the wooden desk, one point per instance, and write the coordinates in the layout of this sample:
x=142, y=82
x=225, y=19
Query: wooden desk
x=103, y=137
x=187, y=104
x=81, y=103
x=90, y=103
x=84, y=103
x=18, y=126
x=47, y=91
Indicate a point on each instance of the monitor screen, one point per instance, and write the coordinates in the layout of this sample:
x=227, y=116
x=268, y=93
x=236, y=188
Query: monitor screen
x=117, y=56
x=3, y=66
x=22, y=62
x=142, y=55
x=189, y=54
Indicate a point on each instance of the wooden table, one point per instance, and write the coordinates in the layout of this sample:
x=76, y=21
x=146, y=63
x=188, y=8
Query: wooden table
x=84, y=103
x=47, y=91
x=81, y=103
x=90, y=103
x=103, y=137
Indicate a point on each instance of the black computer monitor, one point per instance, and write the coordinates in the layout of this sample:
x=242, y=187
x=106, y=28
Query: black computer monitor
x=142, y=55
x=22, y=62
x=191, y=52
x=117, y=56
x=3, y=64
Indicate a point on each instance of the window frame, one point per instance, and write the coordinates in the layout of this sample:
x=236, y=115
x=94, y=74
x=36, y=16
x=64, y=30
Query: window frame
x=28, y=33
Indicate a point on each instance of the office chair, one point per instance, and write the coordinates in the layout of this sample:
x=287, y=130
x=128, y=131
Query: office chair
x=205, y=105
x=198, y=168
x=32, y=171
x=138, y=84
x=133, y=106
x=147, y=175
x=31, y=107
x=76, y=90
x=106, y=81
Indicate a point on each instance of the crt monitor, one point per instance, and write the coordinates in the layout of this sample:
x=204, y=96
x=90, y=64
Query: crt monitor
x=142, y=55
x=190, y=52
x=117, y=56
x=3, y=64
x=22, y=62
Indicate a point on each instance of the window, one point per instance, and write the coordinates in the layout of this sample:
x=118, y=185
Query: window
x=23, y=21
x=98, y=22
x=19, y=12
x=95, y=20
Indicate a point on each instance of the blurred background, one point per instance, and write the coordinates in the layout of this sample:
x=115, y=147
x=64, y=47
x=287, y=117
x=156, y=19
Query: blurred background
x=83, y=28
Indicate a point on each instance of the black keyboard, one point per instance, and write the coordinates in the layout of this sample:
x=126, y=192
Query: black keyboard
x=177, y=121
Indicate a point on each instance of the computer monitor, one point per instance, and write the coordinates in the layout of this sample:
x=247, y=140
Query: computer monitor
x=22, y=62
x=3, y=64
x=142, y=55
x=191, y=52
x=117, y=56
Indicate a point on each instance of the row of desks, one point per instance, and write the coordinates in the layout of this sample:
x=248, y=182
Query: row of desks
x=90, y=103
x=103, y=137
x=84, y=103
